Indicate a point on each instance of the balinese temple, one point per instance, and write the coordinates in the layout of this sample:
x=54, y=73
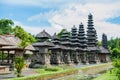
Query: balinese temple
x=9, y=47
x=72, y=47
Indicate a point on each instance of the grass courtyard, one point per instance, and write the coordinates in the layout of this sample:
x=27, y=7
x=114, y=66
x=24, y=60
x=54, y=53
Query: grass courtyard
x=107, y=76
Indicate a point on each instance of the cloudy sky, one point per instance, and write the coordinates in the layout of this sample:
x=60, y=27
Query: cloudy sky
x=54, y=15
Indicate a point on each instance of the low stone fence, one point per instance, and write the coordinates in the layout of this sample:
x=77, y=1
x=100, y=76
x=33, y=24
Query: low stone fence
x=4, y=69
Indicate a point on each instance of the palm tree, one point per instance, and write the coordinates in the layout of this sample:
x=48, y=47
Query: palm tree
x=19, y=65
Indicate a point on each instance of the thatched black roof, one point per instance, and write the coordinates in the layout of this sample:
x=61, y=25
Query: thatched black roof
x=80, y=49
x=43, y=34
x=9, y=40
x=55, y=36
x=92, y=48
x=103, y=50
x=43, y=44
x=56, y=47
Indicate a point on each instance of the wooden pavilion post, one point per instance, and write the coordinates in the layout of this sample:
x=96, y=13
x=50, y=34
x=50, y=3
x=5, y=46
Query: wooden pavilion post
x=2, y=56
x=8, y=58
x=13, y=57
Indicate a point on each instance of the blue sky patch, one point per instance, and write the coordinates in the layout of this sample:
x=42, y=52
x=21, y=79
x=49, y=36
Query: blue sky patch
x=115, y=20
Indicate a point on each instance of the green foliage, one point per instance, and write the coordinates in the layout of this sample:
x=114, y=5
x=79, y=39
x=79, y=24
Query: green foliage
x=99, y=43
x=61, y=32
x=5, y=55
x=19, y=65
x=24, y=36
x=115, y=53
x=1, y=32
x=116, y=70
x=6, y=26
x=107, y=76
x=114, y=43
x=116, y=63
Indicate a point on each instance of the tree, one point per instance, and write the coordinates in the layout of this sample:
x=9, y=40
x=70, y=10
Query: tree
x=116, y=70
x=99, y=43
x=114, y=43
x=19, y=65
x=6, y=26
x=25, y=37
x=115, y=53
x=61, y=32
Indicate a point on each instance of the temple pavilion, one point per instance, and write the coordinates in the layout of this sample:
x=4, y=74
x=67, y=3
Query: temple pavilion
x=73, y=47
x=9, y=48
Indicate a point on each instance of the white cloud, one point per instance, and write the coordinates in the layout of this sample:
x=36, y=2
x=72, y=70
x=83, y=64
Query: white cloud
x=36, y=29
x=42, y=16
x=52, y=3
x=74, y=13
x=40, y=3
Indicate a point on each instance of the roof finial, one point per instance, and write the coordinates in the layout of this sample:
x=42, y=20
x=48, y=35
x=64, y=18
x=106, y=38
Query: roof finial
x=90, y=14
x=43, y=30
x=81, y=23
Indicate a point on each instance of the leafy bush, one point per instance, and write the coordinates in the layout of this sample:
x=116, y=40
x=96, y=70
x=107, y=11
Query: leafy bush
x=51, y=69
x=5, y=55
x=116, y=63
x=116, y=70
x=19, y=65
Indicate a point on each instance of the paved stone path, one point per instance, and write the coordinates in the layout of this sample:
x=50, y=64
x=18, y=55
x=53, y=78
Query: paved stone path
x=26, y=72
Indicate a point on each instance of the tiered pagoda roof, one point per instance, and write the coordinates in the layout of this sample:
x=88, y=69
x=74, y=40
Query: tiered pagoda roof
x=81, y=37
x=56, y=41
x=91, y=33
x=43, y=35
x=74, y=37
x=104, y=50
x=43, y=44
x=104, y=41
x=65, y=40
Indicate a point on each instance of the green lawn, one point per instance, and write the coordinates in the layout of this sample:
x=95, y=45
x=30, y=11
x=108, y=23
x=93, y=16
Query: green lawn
x=107, y=76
